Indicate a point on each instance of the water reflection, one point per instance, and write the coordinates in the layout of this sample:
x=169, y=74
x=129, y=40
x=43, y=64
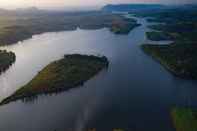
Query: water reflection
x=32, y=97
x=34, y=54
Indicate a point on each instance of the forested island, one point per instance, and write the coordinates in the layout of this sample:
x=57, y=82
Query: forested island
x=158, y=36
x=20, y=25
x=178, y=24
x=6, y=60
x=119, y=28
x=184, y=119
x=176, y=32
x=69, y=72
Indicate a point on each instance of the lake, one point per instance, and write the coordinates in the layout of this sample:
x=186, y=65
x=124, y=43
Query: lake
x=135, y=93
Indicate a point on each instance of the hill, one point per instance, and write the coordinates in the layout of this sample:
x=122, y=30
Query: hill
x=131, y=7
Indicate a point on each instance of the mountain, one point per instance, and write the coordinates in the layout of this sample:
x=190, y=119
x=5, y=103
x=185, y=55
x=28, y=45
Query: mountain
x=131, y=7
x=29, y=9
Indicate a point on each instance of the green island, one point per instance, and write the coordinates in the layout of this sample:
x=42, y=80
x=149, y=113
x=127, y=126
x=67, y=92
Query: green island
x=20, y=25
x=69, y=72
x=6, y=60
x=177, y=32
x=178, y=58
x=178, y=23
x=158, y=36
x=124, y=28
x=184, y=119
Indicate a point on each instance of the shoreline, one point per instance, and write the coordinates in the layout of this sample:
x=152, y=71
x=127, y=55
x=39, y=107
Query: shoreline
x=169, y=62
x=13, y=33
x=61, y=75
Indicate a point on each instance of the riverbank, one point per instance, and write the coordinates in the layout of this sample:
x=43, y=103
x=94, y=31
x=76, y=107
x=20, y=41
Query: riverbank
x=124, y=28
x=178, y=58
x=6, y=60
x=19, y=27
x=64, y=74
x=158, y=36
x=178, y=26
x=184, y=119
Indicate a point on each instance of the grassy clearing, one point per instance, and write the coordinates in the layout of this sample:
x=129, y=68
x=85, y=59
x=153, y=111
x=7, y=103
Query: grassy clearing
x=184, y=119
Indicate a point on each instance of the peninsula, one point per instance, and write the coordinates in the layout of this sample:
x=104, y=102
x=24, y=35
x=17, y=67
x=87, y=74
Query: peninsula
x=180, y=59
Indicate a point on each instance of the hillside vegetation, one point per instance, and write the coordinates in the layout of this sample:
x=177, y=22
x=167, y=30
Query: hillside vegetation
x=180, y=26
x=17, y=26
x=184, y=119
x=6, y=60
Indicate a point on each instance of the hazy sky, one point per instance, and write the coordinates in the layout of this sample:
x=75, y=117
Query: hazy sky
x=61, y=3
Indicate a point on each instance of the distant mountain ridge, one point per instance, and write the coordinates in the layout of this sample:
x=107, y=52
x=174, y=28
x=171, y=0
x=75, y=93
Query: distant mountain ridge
x=131, y=7
x=29, y=9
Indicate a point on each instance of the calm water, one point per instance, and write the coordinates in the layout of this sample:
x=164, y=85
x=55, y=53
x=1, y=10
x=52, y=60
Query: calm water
x=135, y=93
